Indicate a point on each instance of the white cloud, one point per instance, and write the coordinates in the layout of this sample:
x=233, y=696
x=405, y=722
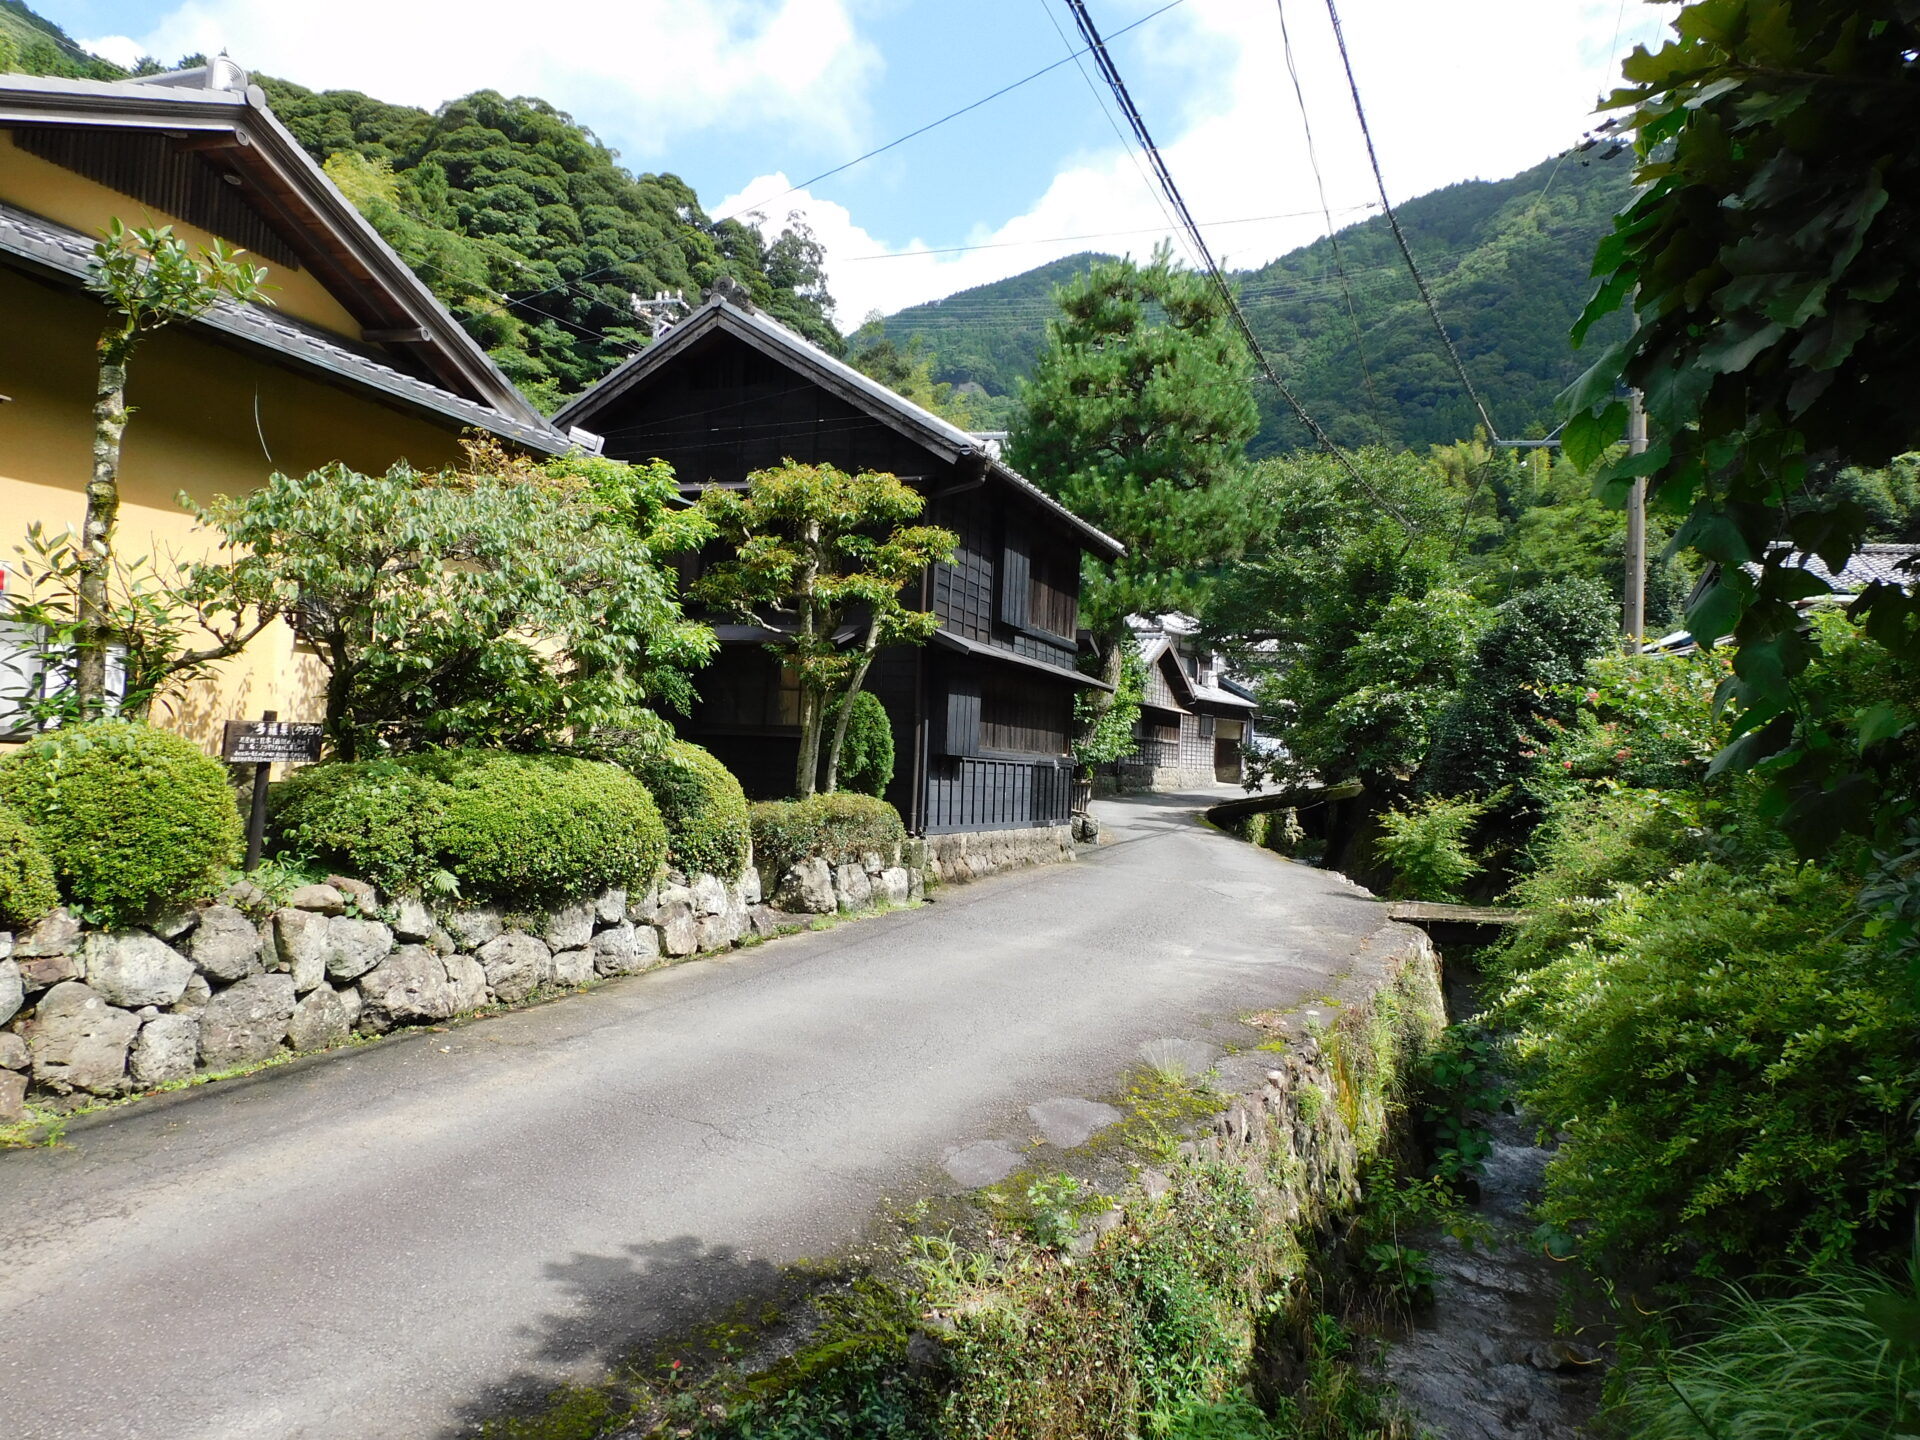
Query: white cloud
x=1448, y=99
x=647, y=70
x=123, y=50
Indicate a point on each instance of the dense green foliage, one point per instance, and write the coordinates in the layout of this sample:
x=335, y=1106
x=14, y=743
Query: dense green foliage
x=1769, y=260
x=514, y=829
x=1136, y=419
x=538, y=829
x=1507, y=261
x=28, y=888
x=134, y=819
x=1103, y=725
x=1426, y=844
x=1818, y=1364
x=378, y=820
x=830, y=827
x=1540, y=643
x=701, y=804
x=1730, y=1075
x=526, y=226
x=866, y=756
x=1723, y=1038
x=502, y=606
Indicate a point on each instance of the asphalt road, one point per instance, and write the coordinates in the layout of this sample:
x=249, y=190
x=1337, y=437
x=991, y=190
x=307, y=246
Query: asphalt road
x=378, y=1243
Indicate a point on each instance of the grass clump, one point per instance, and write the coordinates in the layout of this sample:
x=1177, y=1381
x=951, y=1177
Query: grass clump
x=132, y=819
x=830, y=827
x=1837, y=1360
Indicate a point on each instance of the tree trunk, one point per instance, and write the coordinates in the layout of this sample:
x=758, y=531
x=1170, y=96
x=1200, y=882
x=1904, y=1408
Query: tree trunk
x=1099, y=702
x=846, y=707
x=806, y=770
x=96, y=535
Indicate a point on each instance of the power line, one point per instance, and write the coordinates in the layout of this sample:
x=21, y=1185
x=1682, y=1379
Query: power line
x=1139, y=127
x=1333, y=239
x=1393, y=222
x=878, y=150
x=1113, y=124
x=933, y=124
x=1091, y=235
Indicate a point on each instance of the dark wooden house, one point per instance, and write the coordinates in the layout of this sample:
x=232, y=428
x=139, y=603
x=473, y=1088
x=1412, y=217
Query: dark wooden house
x=1195, y=723
x=982, y=716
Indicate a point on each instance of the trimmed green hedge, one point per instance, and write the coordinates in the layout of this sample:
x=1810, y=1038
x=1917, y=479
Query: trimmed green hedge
x=834, y=827
x=513, y=829
x=704, y=808
x=132, y=818
x=27, y=887
x=866, y=756
x=378, y=820
x=536, y=829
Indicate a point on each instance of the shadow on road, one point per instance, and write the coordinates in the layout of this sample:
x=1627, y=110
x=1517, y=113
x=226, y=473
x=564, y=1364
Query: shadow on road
x=621, y=1310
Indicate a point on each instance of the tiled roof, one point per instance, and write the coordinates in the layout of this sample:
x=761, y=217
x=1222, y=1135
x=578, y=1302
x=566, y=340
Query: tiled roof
x=718, y=312
x=66, y=253
x=1891, y=564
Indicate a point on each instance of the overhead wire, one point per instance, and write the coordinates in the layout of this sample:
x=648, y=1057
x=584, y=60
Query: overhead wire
x=1333, y=239
x=1090, y=235
x=525, y=301
x=1399, y=235
x=1091, y=34
x=933, y=124
x=1094, y=91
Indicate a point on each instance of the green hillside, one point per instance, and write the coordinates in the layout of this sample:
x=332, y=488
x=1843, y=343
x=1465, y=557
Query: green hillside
x=525, y=225
x=520, y=220
x=40, y=47
x=1507, y=261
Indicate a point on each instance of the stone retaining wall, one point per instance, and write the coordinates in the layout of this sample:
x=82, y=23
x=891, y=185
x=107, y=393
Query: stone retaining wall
x=88, y=1014
x=972, y=854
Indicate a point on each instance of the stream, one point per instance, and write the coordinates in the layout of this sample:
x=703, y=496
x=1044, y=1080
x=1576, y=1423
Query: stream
x=1489, y=1358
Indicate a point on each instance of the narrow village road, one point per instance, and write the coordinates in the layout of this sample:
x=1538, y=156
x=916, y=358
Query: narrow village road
x=375, y=1245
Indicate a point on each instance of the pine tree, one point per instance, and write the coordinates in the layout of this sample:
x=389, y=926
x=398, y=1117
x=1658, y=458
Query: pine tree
x=1137, y=418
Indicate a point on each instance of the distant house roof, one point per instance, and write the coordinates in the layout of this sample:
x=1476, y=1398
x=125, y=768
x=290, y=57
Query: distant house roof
x=770, y=337
x=1887, y=563
x=1160, y=638
x=211, y=115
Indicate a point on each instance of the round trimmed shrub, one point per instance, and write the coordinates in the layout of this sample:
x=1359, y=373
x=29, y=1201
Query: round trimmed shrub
x=377, y=820
x=866, y=755
x=133, y=818
x=702, y=805
x=27, y=886
x=834, y=827
x=534, y=829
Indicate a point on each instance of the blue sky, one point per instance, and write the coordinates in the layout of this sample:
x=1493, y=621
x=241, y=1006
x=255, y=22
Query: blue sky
x=744, y=98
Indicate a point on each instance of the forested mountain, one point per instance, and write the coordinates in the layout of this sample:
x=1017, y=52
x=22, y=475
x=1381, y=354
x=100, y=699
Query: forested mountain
x=1507, y=263
x=520, y=220
x=40, y=47
x=531, y=232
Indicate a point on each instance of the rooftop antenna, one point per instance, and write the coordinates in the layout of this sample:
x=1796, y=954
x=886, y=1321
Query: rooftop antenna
x=661, y=312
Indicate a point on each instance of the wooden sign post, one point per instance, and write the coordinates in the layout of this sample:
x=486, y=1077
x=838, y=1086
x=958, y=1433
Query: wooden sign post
x=260, y=743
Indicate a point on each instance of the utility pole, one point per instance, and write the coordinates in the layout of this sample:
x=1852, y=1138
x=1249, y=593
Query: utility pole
x=1633, y=618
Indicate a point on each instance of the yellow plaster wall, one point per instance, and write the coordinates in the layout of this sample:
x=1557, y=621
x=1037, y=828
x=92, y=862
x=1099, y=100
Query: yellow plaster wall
x=85, y=205
x=193, y=429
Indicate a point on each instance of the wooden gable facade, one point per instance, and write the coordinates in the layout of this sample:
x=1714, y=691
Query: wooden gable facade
x=982, y=716
x=1194, y=725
